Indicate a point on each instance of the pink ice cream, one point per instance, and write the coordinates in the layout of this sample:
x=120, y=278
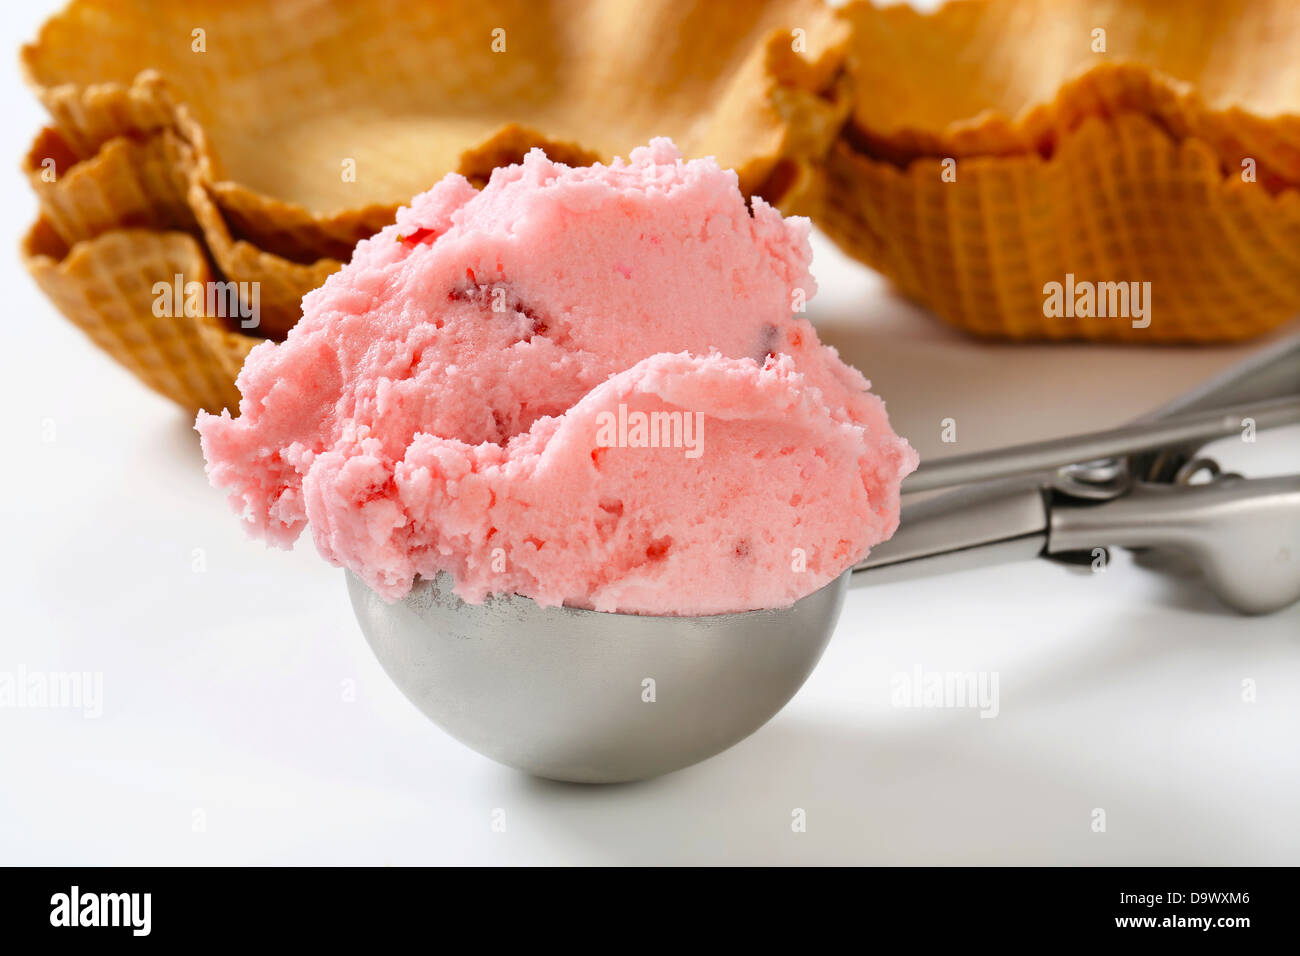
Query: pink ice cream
x=588, y=386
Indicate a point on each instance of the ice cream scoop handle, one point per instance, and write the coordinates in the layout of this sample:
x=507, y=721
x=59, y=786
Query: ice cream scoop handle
x=1244, y=533
x=968, y=527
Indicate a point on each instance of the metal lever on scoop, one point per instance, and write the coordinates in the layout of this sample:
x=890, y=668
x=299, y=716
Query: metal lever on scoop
x=1267, y=374
x=1244, y=533
x=1079, y=493
x=1191, y=428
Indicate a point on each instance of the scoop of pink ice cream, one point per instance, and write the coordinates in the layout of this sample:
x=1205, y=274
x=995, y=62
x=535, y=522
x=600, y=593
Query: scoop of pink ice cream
x=587, y=386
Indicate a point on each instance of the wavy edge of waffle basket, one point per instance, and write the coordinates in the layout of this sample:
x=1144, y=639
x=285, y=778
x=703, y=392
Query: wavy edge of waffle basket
x=1125, y=175
x=138, y=192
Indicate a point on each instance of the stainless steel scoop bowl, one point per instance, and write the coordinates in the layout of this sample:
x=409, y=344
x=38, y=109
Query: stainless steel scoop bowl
x=587, y=696
x=595, y=697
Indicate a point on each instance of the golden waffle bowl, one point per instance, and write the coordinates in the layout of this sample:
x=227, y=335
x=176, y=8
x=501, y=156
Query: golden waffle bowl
x=275, y=136
x=998, y=146
x=313, y=119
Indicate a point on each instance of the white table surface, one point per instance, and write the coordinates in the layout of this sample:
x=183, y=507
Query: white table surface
x=243, y=697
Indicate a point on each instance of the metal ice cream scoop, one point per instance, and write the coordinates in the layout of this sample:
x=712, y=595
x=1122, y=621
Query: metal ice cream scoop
x=596, y=697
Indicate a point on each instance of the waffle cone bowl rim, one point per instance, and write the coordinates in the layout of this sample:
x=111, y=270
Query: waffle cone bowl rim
x=1230, y=189
x=957, y=137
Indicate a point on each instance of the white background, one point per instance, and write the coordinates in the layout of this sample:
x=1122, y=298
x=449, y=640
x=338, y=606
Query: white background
x=224, y=690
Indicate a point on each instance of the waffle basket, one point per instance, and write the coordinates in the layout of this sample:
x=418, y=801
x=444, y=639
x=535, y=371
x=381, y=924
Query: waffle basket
x=277, y=136
x=1003, y=154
